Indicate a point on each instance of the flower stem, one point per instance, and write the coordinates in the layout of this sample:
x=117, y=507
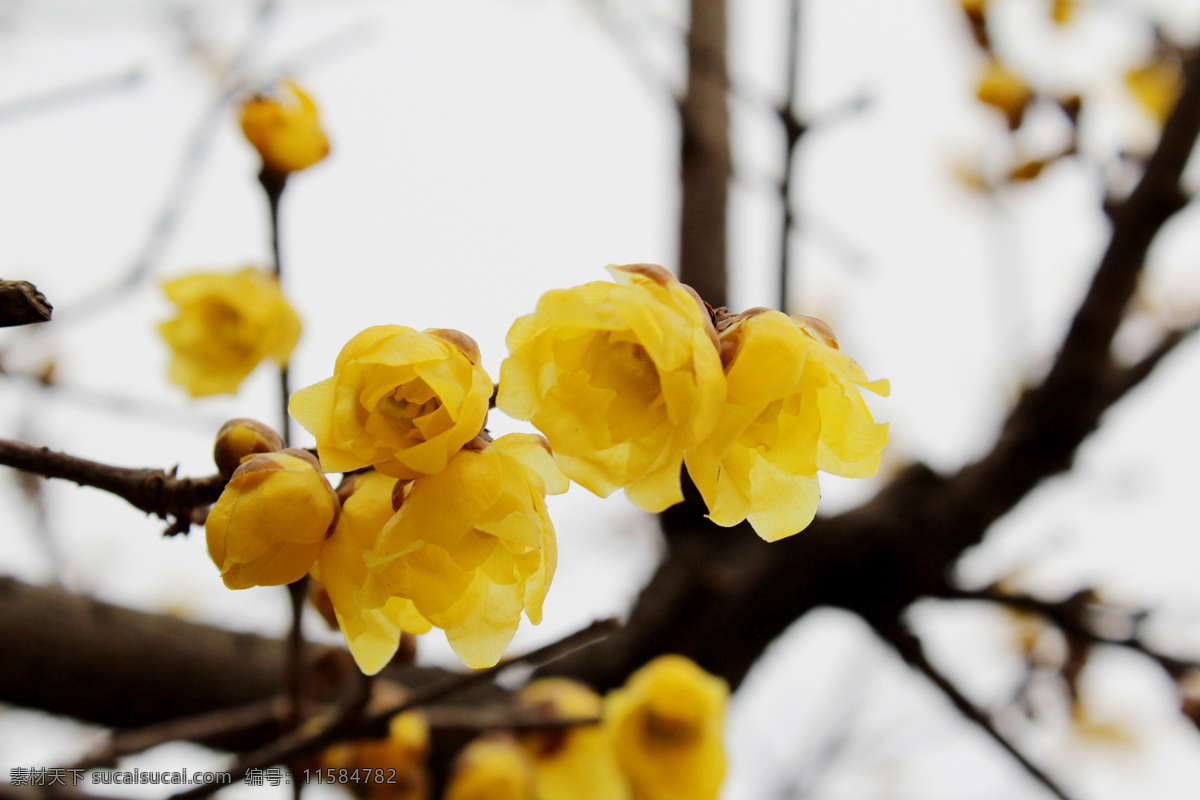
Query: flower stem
x=273, y=184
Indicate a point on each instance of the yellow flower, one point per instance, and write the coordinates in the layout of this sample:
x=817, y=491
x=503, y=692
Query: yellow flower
x=1061, y=11
x=620, y=377
x=491, y=768
x=227, y=324
x=373, y=635
x=665, y=725
x=472, y=546
x=793, y=407
x=284, y=129
x=1156, y=86
x=1004, y=91
x=268, y=526
x=240, y=438
x=401, y=401
x=574, y=763
x=388, y=769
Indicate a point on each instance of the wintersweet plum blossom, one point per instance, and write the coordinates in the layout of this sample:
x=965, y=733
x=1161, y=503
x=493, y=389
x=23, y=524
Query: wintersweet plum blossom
x=665, y=726
x=793, y=407
x=401, y=401
x=491, y=768
x=227, y=323
x=472, y=546
x=268, y=525
x=387, y=769
x=620, y=377
x=373, y=635
x=284, y=129
x=574, y=762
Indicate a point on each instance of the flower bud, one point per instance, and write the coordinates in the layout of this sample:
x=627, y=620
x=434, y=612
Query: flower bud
x=268, y=526
x=239, y=438
x=284, y=129
x=491, y=768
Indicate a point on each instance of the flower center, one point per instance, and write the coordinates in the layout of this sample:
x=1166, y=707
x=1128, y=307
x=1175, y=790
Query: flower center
x=410, y=408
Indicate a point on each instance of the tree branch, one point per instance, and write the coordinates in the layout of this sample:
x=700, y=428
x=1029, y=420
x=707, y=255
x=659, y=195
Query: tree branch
x=22, y=304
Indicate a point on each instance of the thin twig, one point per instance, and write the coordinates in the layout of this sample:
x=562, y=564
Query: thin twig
x=154, y=491
x=273, y=184
x=793, y=131
x=909, y=648
x=294, y=679
x=349, y=723
x=57, y=98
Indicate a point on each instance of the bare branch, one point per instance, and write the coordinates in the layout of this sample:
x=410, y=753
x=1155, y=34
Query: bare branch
x=22, y=304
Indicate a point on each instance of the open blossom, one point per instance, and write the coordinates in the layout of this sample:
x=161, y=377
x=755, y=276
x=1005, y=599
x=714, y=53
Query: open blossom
x=401, y=401
x=373, y=635
x=620, y=377
x=472, y=546
x=227, y=323
x=284, y=129
x=665, y=725
x=575, y=762
x=793, y=407
x=267, y=527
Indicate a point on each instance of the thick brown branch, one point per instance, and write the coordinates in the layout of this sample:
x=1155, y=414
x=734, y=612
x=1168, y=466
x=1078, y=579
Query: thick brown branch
x=22, y=304
x=152, y=490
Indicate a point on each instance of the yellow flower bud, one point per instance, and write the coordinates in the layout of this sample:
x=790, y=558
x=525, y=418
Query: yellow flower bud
x=284, y=129
x=401, y=401
x=620, y=377
x=227, y=324
x=387, y=769
x=268, y=526
x=472, y=546
x=793, y=407
x=665, y=726
x=491, y=768
x=1005, y=92
x=571, y=763
x=239, y=438
x=373, y=635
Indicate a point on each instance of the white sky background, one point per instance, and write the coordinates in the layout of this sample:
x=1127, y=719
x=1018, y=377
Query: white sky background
x=487, y=151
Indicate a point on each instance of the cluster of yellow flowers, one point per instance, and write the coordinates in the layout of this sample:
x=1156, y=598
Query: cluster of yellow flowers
x=656, y=738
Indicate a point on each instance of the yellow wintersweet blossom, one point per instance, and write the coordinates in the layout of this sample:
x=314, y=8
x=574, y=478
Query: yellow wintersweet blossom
x=269, y=523
x=241, y=438
x=1156, y=86
x=573, y=763
x=284, y=129
x=1004, y=91
x=472, y=546
x=491, y=768
x=1061, y=11
x=373, y=635
x=227, y=324
x=620, y=377
x=387, y=769
x=401, y=401
x=793, y=407
x=665, y=725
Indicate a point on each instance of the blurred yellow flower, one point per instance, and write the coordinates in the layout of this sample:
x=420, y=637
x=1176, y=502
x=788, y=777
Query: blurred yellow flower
x=268, y=526
x=1004, y=91
x=1061, y=11
x=665, y=725
x=387, y=769
x=620, y=377
x=573, y=763
x=793, y=407
x=472, y=546
x=284, y=129
x=401, y=401
x=227, y=324
x=1156, y=86
x=373, y=635
x=491, y=768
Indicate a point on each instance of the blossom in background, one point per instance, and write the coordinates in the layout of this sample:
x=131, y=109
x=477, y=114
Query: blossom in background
x=491, y=768
x=571, y=763
x=388, y=769
x=269, y=523
x=227, y=323
x=472, y=546
x=620, y=377
x=1156, y=86
x=373, y=635
x=284, y=129
x=1004, y=91
x=665, y=726
x=401, y=401
x=793, y=407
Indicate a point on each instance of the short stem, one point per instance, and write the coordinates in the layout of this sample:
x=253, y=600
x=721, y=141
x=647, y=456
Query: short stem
x=273, y=184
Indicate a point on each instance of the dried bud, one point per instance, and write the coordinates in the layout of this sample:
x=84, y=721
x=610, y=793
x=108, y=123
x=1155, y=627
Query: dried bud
x=240, y=438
